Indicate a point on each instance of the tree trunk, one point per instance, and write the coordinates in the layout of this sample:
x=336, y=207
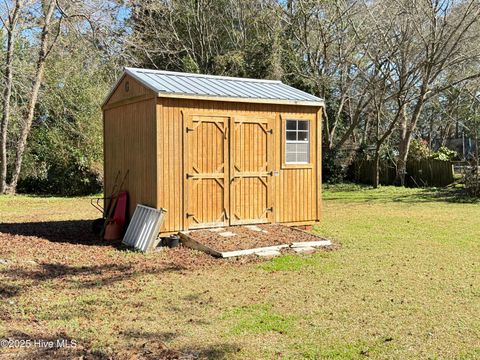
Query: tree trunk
x=402, y=158
x=376, y=169
x=27, y=124
x=7, y=93
x=326, y=126
x=355, y=120
x=430, y=132
x=406, y=137
x=381, y=140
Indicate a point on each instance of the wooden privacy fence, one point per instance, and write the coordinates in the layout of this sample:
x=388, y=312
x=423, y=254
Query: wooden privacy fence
x=428, y=172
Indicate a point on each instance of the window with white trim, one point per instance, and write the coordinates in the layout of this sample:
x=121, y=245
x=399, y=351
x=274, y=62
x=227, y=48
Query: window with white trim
x=297, y=142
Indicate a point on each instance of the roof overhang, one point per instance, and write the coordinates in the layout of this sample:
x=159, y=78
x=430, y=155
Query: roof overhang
x=112, y=90
x=240, y=99
x=128, y=71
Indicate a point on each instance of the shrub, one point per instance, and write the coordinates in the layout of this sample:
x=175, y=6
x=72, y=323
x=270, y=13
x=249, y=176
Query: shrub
x=332, y=171
x=419, y=150
x=59, y=163
x=471, y=180
x=444, y=154
x=71, y=179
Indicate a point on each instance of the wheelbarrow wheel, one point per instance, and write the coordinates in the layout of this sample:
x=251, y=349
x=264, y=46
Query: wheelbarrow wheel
x=97, y=226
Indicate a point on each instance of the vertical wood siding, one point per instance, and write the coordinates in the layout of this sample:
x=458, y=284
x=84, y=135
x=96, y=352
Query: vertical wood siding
x=251, y=166
x=299, y=185
x=206, y=165
x=132, y=90
x=130, y=145
x=295, y=192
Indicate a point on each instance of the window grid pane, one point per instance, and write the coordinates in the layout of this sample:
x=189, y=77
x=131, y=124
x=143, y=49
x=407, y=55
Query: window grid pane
x=291, y=125
x=297, y=140
x=302, y=135
x=291, y=135
x=302, y=125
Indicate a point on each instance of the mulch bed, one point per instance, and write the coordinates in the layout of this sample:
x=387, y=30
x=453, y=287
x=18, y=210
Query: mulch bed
x=246, y=238
x=67, y=248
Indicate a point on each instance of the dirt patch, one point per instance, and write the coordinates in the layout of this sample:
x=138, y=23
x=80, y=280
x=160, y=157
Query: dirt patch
x=249, y=237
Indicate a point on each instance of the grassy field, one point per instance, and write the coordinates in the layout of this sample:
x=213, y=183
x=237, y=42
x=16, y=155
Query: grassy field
x=404, y=284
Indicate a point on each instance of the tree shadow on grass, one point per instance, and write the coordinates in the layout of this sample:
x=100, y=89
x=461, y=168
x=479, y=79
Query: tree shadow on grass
x=148, y=339
x=43, y=346
x=8, y=291
x=68, y=231
x=448, y=194
x=364, y=193
x=216, y=351
x=152, y=348
x=75, y=277
x=148, y=335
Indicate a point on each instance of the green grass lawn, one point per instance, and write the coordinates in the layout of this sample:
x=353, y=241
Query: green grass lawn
x=404, y=284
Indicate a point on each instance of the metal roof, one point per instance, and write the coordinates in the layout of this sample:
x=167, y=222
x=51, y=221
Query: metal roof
x=210, y=87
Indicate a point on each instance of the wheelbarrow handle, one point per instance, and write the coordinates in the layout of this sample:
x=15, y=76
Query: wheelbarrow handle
x=95, y=202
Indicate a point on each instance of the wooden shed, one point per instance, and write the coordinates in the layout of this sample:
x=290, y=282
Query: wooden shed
x=213, y=150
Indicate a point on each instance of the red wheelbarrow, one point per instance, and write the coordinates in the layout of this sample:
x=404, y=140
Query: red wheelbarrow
x=111, y=226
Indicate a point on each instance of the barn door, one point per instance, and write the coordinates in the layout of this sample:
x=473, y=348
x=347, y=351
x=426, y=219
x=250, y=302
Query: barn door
x=251, y=165
x=206, y=169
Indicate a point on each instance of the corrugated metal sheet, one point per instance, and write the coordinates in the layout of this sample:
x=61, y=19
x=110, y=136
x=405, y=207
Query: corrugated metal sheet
x=197, y=85
x=144, y=227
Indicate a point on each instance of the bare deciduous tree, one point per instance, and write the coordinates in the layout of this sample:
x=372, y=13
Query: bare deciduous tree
x=331, y=61
x=436, y=59
x=10, y=24
x=48, y=8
